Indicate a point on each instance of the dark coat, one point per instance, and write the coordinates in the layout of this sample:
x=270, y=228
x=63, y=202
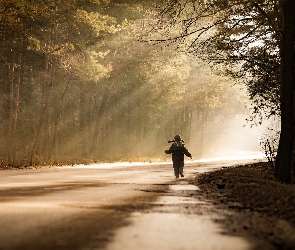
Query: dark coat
x=178, y=150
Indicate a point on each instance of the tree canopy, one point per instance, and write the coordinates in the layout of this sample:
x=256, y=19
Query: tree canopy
x=251, y=41
x=77, y=86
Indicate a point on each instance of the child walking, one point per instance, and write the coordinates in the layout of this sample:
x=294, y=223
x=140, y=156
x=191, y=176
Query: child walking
x=178, y=150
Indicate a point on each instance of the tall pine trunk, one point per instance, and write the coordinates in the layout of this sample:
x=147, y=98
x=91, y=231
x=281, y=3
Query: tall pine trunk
x=15, y=81
x=283, y=164
x=57, y=123
x=100, y=111
x=12, y=112
x=45, y=109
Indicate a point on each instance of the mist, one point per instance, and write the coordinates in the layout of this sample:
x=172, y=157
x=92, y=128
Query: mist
x=111, y=97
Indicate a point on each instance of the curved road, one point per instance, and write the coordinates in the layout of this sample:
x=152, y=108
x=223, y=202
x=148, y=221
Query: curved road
x=109, y=206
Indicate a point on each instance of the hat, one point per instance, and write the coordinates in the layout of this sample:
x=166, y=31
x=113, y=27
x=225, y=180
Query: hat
x=177, y=138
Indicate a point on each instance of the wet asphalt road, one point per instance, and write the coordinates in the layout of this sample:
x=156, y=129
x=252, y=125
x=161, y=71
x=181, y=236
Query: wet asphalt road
x=125, y=206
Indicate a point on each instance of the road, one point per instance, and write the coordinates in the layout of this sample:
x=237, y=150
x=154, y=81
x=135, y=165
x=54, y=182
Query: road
x=109, y=206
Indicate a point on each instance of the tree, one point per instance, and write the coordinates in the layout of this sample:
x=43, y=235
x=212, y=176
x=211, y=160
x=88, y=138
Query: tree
x=13, y=26
x=252, y=41
x=39, y=41
x=89, y=90
x=283, y=165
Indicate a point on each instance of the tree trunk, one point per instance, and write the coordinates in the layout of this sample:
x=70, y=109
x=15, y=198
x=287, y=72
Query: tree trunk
x=189, y=126
x=11, y=116
x=45, y=109
x=58, y=120
x=15, y=81
x=16, y=106
x=99, y=121
x=283, y=164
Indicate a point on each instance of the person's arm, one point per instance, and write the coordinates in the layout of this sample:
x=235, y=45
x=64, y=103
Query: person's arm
x=170, y=150
x=188, y=154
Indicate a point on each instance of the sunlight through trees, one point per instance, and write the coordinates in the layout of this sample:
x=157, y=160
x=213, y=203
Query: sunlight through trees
x=78, y=86
x=253, y=42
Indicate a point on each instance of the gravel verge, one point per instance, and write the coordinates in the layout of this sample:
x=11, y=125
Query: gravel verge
x=253, y=204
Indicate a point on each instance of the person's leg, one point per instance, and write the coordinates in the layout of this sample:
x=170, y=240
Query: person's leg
x=176, y=169
x=181, y=166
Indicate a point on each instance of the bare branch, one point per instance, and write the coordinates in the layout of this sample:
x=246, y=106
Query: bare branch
x=271, y=23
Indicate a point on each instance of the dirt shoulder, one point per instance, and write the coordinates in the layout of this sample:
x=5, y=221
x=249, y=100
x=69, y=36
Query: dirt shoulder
x=253, y=203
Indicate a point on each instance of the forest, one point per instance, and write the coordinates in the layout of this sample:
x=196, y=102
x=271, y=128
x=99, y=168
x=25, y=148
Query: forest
x=100, y=80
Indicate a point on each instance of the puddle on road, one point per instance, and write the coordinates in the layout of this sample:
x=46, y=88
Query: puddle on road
x=184, y=187
x=173, y=232
x=169, y=200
